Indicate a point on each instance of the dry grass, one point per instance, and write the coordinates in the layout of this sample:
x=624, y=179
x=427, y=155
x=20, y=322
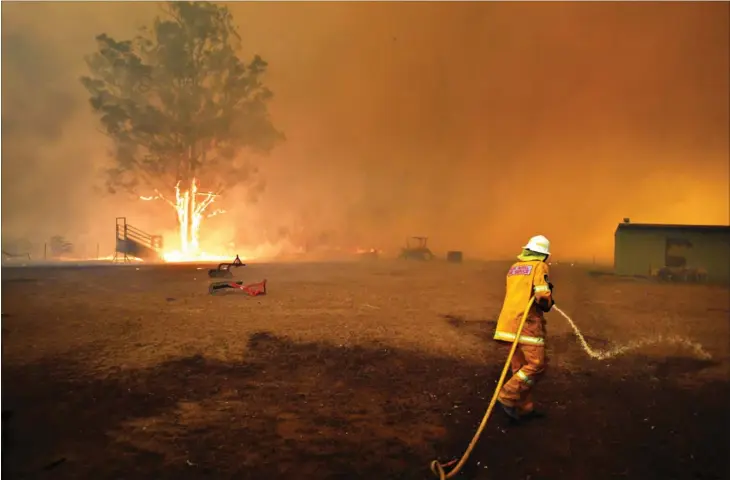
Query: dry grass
x=356, y=354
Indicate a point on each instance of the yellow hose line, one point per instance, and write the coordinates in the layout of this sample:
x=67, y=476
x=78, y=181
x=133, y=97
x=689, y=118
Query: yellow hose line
x=436, y=467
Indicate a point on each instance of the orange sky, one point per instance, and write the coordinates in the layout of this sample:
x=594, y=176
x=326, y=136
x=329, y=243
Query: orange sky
x=477, y=124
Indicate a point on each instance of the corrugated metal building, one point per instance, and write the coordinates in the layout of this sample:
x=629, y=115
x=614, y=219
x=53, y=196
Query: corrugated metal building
x=641, y=248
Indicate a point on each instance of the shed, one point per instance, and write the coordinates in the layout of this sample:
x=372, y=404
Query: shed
x=639, y=248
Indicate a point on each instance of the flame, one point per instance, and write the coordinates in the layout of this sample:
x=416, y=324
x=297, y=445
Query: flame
x=215, y=212
x=119, y=258
x=190, y=209
x=177, y=256
x=189, y=215
x=361, y=251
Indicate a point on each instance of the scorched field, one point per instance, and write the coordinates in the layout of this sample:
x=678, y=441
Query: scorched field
x=350, y=370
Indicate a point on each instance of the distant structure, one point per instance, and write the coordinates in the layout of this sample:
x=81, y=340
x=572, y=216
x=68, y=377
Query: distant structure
x=651, y=249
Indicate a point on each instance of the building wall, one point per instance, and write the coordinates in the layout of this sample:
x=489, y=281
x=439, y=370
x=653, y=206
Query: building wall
x=636, y=252
x=711, y=252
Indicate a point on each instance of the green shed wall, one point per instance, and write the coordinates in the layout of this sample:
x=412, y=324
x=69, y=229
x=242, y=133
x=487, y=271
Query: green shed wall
x=636, y=252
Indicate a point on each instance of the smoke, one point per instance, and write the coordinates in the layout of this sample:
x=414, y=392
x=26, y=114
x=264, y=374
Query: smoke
x=52, y=153
x=476, y=124
x=34, y=113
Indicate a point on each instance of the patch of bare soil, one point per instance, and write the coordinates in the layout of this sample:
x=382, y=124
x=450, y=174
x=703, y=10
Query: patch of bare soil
x=279, y=395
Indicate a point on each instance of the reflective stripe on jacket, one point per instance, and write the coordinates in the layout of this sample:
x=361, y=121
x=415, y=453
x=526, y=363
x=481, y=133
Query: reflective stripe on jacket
x=524, y=339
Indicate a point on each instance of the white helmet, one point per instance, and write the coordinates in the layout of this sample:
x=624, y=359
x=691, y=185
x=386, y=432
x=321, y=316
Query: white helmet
x=538, y=244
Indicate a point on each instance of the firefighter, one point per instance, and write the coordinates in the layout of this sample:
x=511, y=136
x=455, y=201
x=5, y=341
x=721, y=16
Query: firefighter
x=527, y=277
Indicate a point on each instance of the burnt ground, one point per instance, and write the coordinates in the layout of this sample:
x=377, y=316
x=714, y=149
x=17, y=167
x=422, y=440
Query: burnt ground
x=362, y=370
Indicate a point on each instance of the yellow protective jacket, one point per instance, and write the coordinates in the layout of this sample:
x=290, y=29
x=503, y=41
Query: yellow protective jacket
x=527, y=277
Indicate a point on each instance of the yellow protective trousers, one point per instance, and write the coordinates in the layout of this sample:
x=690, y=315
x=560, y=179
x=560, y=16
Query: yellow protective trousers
x=528, y=365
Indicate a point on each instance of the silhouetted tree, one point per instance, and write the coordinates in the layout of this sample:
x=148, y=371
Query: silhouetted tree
x=180, y=106
x=59, y=246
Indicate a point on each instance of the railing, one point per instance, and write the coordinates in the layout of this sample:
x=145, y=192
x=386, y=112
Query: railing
x=135, y=242
x=128, y=232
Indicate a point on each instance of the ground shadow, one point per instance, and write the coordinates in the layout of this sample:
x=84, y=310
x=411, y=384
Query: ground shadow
x=482, y=329
x=675, y=366
x=309, y=410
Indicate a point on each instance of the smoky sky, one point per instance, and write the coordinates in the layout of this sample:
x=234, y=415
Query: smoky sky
x=476, y=124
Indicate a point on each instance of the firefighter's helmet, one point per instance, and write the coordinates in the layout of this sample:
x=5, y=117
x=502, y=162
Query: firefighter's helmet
x=538, y=244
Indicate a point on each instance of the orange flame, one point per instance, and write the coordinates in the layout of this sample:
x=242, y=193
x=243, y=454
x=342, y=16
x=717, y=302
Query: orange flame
x=190, y=209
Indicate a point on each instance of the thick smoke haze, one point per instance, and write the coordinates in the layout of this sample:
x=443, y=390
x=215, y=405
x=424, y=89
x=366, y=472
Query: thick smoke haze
x=476, y=124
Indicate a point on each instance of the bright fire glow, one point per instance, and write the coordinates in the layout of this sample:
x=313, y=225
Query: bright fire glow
x=361, y=251
x=179, y=257
x=117, y=258
x=190, y=206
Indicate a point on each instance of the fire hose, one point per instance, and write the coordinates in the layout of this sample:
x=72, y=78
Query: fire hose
x=438, y=468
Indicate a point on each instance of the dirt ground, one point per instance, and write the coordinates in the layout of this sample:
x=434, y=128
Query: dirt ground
x=349, y=370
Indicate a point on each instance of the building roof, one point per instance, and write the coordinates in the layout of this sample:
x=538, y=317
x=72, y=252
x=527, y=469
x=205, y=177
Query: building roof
x=722, y=229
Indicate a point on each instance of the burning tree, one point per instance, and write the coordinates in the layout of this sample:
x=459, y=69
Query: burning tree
x=180, y=106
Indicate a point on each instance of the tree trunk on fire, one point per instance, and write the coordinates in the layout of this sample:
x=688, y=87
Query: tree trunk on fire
x=189, y=214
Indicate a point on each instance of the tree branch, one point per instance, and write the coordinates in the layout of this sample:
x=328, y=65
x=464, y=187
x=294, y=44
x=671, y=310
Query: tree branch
x=178, y=102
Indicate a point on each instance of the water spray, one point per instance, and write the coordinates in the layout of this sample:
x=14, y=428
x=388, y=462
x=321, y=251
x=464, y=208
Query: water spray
x=695, y=347
x=439, y=469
